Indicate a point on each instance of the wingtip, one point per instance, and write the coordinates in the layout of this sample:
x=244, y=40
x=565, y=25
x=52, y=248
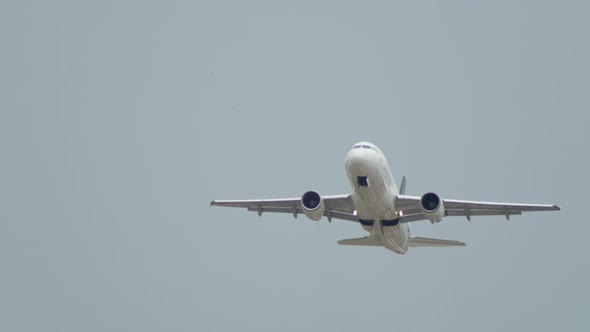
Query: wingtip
x=212, y=203
x=556, y=207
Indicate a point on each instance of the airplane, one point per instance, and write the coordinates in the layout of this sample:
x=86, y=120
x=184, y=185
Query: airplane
x=380, y=206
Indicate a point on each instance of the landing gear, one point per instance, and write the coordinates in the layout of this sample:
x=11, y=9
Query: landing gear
x=362, y=181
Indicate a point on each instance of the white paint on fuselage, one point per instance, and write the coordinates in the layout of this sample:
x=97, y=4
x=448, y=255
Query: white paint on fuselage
x=377, y=200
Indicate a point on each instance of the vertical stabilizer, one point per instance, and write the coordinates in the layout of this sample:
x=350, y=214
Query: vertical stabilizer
x=402, y=186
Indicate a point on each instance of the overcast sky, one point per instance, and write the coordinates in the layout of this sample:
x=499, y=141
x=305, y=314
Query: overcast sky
x=120, y=121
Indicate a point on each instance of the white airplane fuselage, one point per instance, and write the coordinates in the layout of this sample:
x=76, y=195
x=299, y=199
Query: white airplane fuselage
x=373, y=194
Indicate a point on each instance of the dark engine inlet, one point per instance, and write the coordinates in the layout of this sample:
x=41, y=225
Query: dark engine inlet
x=311, y=200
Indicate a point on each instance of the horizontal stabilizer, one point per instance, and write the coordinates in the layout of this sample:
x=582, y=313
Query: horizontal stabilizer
x=363, y=241
x=426, y=242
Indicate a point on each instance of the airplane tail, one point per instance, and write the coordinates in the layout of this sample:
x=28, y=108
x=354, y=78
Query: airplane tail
x=414, y=242
x=402, y=186
x=427, y=242
x=363, y=241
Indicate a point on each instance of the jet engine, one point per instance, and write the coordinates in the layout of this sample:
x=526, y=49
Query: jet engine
x=432, y=207
x=313, y=205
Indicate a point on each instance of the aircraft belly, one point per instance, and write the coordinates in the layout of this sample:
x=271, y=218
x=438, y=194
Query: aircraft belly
x=374, y=205
x=375, y=201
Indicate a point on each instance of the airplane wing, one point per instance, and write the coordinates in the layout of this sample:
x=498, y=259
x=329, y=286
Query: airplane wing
x=410, y=207
x=337, y=206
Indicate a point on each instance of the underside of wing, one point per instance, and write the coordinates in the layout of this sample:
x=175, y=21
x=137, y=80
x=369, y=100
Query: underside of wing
x=411, y=210
x=336, y=206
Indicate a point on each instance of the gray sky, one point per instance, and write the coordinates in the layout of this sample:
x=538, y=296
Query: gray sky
x=121, y=121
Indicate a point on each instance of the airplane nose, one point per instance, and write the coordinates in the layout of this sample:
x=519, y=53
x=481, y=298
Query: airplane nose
x=357, y=161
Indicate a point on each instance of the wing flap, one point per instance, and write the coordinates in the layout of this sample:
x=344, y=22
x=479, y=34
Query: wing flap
x=471, y=212
x=298, y=210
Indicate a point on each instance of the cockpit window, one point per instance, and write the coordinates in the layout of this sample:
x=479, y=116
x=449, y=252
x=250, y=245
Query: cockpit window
x=366, y=146
x=356, y=146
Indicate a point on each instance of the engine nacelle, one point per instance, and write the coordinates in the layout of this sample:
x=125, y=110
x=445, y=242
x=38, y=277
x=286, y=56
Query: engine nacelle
x=432, y=206
x=313, y=205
